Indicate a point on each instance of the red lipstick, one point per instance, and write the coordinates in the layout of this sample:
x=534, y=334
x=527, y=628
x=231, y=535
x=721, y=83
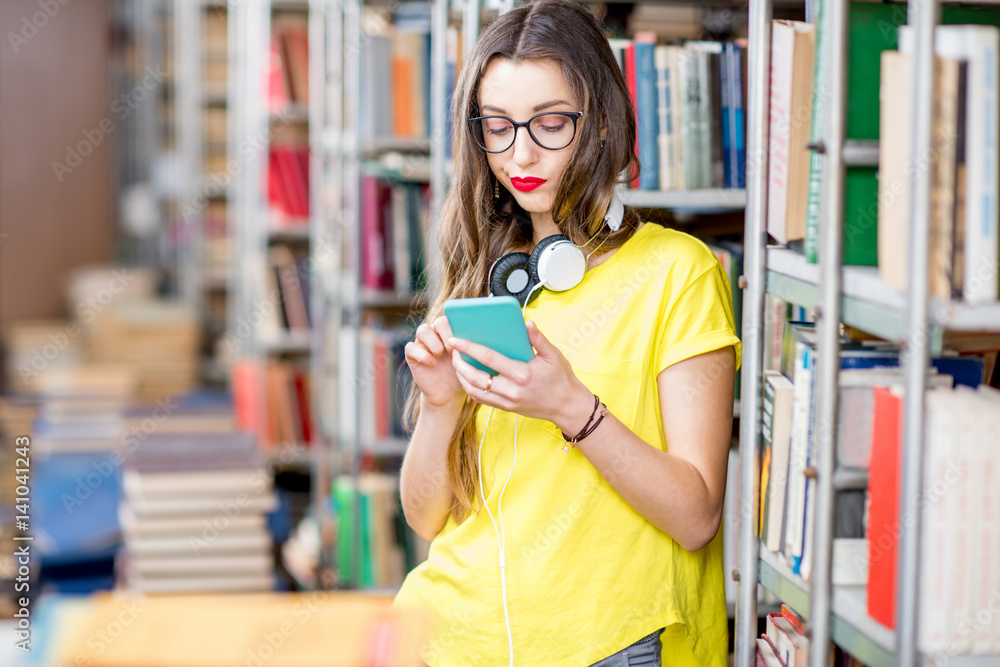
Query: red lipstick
x=527, y=184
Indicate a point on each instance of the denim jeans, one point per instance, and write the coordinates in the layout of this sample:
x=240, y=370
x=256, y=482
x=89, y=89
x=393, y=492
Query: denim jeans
x=645, y=652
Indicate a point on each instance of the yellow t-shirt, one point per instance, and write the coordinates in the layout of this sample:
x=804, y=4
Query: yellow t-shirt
x=586, y=574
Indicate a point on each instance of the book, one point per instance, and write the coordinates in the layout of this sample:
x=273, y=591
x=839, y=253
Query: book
x=776, y=450
x=792, y=63
x=979, y=47
x=872, y=28
x=895, y=164
x=646, y=110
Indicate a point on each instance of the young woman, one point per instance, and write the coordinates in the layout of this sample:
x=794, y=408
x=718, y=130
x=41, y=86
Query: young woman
x=611, y=549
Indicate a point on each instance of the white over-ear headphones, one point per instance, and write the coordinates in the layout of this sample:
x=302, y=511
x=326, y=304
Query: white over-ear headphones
x=556, y=263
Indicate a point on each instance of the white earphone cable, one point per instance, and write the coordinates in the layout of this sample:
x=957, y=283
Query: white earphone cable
x=501, y=532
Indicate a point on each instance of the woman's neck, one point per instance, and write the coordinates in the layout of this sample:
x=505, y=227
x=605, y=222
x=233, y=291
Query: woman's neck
x=542, y=226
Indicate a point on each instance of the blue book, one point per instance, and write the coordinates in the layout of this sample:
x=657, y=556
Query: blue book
x=646, y=100
x=737, y=127
x=728, y=158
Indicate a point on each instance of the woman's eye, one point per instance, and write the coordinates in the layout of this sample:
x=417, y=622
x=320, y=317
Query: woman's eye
x=553, y=128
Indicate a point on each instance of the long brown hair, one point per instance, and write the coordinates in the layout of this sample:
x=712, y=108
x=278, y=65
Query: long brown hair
x=475, y=229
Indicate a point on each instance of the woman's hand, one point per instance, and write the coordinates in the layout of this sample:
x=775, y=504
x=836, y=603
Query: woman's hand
x=429, y=359
x=543, y=388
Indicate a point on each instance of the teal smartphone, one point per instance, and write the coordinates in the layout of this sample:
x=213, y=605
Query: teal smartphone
x=493, y=321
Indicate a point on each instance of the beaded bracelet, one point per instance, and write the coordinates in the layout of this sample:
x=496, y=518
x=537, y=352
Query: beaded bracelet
x=588, y=428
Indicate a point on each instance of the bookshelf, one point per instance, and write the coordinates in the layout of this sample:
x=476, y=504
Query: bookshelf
x=273, y=211
x=198, y=172
x=856, y=296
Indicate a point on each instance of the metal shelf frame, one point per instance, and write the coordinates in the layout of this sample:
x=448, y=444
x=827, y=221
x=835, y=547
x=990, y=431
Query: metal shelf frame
x=857, y=296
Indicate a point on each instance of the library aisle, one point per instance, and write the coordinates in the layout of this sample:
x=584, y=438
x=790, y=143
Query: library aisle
x=219, y=230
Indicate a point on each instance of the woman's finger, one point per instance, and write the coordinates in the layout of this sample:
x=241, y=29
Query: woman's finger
x=502, y=364
x=470, y=373
x=417, y=353
x=443, y=329
x=429, y=338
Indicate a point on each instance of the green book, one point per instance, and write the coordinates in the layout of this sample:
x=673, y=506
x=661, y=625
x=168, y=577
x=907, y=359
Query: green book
x=872, y=29
x=343, y=498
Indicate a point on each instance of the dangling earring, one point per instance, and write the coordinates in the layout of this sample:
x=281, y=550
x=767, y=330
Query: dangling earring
x=602, y=144
x=496, y=191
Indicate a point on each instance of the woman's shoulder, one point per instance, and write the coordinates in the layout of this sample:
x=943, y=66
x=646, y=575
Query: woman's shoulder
x=677, y=252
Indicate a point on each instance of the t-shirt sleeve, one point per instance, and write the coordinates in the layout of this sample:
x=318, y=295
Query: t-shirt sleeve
x=698, y=320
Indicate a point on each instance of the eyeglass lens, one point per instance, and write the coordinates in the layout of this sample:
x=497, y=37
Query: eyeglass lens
x=550, y=130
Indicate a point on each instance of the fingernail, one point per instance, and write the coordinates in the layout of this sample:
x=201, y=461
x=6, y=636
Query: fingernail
x=455, y=343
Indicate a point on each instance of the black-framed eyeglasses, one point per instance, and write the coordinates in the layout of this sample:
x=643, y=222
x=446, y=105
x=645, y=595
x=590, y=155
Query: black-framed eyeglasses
x=551, y=130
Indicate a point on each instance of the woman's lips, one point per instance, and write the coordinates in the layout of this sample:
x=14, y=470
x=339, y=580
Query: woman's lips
x=527, y=184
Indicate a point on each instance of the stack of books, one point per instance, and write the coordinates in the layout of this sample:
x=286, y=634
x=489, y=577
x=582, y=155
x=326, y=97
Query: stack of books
x=82, y=409
x=193, y=515
x=158, y=339
x=37, y=346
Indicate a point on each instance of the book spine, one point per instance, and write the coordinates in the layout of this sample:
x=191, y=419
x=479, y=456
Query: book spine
x=982, y=247
x=767, y=442
x=663, y=115
x=630, y=80
x=816, y=160
x=936, y=563
x=795, y=503
x=646, y=95
x=779, y=126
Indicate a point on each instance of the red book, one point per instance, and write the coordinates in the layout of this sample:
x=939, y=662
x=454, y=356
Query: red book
x=630, y=80
x=247, y=386
x=275, y=86
x=305, y=409
x=883, y=485
x=382, y=417
x=376, y=271
x=296, y=198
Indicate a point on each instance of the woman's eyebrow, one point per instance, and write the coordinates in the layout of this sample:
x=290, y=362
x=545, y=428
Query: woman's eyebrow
x=537, y=107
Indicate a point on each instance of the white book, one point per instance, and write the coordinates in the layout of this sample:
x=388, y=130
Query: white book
x=987, y=638
x=979, y=45
x=400, y=239
x=347, y=390
x=366, y=386
x=849, y=566
x=937, y=555
x=210, y=507
x=214, y=584
x=966, y=521
x=664, y=100
x=252, y=563
x=223, y=482
x=138, y=527
x=676, y=57
x=196, y=544
x=797, y=457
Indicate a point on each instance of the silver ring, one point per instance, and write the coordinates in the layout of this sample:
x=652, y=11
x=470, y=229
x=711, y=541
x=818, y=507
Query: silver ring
x=489, y=384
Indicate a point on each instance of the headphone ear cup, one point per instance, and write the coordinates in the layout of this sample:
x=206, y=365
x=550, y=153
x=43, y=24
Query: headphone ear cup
x=510, y=276
x=536, y=254
x=557, y=263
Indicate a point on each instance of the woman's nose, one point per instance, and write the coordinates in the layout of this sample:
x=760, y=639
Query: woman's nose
x=524, y=148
